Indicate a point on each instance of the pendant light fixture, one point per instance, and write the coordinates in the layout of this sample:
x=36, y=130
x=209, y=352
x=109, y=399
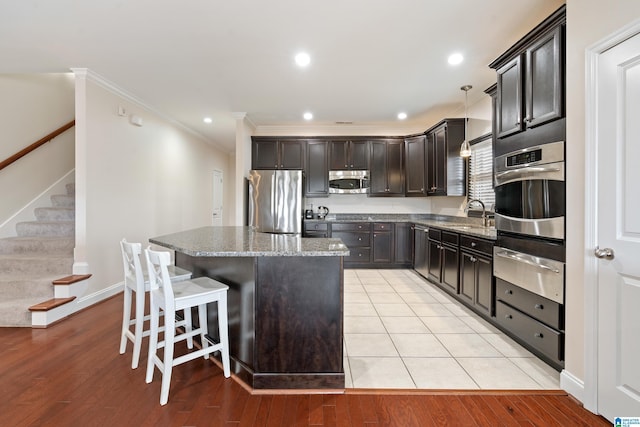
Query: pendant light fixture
x=465, y=148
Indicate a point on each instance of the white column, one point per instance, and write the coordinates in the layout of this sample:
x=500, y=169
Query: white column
x=244, y=130
x=80, y=263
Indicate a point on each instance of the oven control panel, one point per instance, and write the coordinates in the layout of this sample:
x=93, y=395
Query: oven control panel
x=524, y=158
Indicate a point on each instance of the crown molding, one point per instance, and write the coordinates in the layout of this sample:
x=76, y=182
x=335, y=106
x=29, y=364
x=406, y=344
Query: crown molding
x=338, y=130
x=96, y=78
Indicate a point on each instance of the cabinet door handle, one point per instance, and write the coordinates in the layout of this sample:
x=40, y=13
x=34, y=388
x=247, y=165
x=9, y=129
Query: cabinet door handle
x=517, y=123
x=508, y=316
x=359, y=239
x=473, y=244
x=538, y=335
x=539, y=306
x=508, y=292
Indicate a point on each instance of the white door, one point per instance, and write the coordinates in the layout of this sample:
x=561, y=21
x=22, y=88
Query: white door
x=618, y=230
x=217, y=197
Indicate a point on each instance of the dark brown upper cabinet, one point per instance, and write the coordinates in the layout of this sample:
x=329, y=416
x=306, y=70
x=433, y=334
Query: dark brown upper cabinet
x=348, y=154
x=387, y=167
x=271, y=153
x=316, y=169
x=544, y=89
x=446, y=170
x=415, y=170
x=530, y=85
x=509, y=119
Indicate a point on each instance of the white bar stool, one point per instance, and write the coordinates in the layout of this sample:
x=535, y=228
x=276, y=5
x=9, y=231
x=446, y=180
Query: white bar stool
x=171, y=297
x=136, y=280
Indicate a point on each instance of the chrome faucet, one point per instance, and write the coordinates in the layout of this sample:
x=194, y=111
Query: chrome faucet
x=485, y=221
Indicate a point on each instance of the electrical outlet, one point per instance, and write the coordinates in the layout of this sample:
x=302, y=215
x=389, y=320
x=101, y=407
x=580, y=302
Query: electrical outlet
x=121, y=111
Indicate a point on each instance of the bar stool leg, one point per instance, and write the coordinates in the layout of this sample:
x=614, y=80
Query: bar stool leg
x=167, y=368
x=204, y=327
x=138, y=324
x=224, y=333
x=153, y=341
x=189, y=326
x=126, y=319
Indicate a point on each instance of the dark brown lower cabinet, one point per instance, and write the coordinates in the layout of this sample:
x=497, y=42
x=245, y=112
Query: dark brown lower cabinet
x=357, y=237
x=403, y=237
x=477, y=287
x=383, y=243
x=476, y=281
x=443, y=262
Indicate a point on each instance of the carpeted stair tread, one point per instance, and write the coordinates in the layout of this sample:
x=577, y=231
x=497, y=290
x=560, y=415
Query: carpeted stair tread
x=46, y=228
x=68, y=200
x=55, y=214
x=37, y=245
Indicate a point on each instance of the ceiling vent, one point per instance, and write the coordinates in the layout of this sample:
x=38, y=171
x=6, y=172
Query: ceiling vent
x=344, y=123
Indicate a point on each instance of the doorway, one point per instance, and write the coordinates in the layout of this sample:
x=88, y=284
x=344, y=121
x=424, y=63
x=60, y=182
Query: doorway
x=612, y=240
x=217, y=197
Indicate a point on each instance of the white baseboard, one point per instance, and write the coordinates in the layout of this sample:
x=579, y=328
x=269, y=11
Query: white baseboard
x=46, y=318
x=572, y=385
x=101, y=295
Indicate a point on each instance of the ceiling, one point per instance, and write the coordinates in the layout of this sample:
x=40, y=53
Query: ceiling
x=370, y=59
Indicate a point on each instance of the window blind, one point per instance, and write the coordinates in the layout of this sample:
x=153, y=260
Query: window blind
x=481, y=173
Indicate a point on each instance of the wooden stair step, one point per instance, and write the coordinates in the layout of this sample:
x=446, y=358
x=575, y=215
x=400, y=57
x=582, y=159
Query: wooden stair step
x=50, y=304
x=71, y=279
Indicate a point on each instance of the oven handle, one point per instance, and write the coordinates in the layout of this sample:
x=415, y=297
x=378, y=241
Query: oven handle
x=526, y=170
x=527, y=260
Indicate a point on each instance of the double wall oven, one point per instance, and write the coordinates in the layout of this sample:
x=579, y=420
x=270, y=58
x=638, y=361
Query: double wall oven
x=529, y=256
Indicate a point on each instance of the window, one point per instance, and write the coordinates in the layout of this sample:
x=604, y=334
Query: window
x=481, y=173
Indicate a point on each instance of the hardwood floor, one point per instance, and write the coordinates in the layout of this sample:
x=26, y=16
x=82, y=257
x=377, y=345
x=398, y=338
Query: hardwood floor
x=71, y=374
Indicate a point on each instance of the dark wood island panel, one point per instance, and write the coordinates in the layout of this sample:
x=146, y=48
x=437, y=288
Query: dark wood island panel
x=285, y=317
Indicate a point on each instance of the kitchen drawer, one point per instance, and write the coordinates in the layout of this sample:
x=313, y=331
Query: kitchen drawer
x=450, y=238
x=316, y=226
x=382, y=226
x=539, y=336
x=359, y=255
x=435, y=234
x=475, y=244
x=353, y=238
x=538, y=307
x=350, y=226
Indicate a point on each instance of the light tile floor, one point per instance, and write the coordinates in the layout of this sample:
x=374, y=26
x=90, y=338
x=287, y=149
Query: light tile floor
x=400, y=331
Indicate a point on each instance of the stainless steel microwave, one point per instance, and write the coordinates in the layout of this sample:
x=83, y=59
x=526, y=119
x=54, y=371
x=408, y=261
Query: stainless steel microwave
x=348, y=181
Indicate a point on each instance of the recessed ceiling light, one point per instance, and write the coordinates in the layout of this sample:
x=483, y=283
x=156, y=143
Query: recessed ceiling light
x=207, y=120
x=303, y=59
x=402, y=116
x=307, y=116
x=455, y=59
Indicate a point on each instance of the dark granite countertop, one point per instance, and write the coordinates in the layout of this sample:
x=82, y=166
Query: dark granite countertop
x=245, y=242
x=462, y=225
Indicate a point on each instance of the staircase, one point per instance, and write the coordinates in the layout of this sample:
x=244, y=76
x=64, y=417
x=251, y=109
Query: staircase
x=41, y=253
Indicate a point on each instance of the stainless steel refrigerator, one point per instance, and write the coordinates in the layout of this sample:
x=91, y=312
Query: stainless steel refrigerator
x=275, y=201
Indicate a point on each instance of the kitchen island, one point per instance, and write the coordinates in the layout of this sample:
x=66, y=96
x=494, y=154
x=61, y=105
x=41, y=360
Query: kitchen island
x=285, y=302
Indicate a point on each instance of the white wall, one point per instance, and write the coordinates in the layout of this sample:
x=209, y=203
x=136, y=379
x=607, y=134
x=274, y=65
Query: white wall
x=32, y=106
x=138, y=182
x=588, y=21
